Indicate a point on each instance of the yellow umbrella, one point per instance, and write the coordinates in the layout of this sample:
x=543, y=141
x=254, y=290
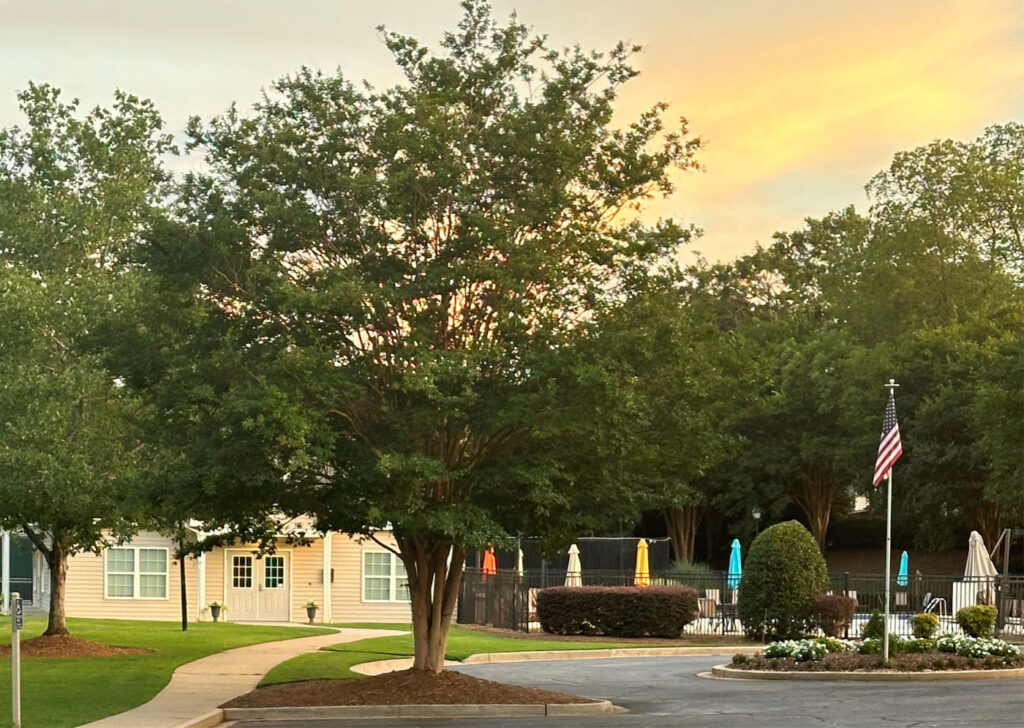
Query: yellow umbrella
x=642, y=574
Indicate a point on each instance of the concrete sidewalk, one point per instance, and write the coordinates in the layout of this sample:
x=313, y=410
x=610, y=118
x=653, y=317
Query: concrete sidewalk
x=198, y=687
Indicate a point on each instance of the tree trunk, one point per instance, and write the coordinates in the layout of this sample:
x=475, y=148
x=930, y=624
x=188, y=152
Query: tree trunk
x=434, y=589
x=57, y=560
x=986, y=521
x=682, y=529
x=814, y=496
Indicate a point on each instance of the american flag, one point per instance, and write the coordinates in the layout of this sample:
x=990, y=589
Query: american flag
x=890, y=448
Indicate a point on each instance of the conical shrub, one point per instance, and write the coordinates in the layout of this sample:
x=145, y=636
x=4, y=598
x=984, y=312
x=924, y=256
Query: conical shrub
x=783, y=573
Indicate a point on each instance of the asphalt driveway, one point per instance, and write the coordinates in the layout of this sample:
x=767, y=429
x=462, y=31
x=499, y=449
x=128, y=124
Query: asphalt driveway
x=664, y=692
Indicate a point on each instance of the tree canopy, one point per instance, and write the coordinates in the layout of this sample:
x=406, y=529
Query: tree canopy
x=76, y=195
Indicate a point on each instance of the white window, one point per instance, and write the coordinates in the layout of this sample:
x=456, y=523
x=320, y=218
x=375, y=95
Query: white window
x=136, y=573
x=384, y=578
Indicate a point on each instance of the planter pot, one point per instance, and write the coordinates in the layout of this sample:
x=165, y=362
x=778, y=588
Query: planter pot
x=215, y=613
x=311, y=613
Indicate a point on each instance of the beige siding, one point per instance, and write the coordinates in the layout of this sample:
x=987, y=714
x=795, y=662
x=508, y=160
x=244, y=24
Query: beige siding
x=214, y=581
x=86, y=589
x=307, y=579
x=347, y=601
x=86, y=593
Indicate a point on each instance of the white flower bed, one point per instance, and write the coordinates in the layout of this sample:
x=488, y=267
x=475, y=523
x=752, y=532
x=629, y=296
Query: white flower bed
x=809, y=649
x=816, y=649
x=975, y=646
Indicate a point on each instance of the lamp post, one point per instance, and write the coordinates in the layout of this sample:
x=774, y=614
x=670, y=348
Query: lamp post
x=756, y=513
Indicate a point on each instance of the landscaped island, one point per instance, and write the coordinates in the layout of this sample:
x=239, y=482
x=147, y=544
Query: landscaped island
x=829, y=654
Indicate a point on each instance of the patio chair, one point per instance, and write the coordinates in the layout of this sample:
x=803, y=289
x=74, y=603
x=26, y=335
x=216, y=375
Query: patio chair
x=931, y=603
x=714, y=594
x=900, y=601
x=708, y=609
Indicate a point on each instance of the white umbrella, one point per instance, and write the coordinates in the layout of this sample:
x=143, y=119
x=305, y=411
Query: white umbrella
x=574, y=572
x=519, y=563
x=980, y=570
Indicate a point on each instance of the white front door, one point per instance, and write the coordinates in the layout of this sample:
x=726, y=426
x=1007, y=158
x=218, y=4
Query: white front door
x=258, y=589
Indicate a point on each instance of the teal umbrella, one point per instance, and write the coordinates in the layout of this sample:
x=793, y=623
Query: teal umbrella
x=901, y=577
x=735, y=565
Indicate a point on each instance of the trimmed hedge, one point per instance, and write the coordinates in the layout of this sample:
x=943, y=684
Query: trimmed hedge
x=784, y=570
x=977, y=621
x=833, y=613
x=657, y=611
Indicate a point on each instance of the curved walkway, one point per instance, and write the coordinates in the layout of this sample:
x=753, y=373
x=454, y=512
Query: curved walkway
x=197, y=688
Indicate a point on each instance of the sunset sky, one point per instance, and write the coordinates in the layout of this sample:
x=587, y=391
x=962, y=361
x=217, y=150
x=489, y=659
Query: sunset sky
x=800, y=101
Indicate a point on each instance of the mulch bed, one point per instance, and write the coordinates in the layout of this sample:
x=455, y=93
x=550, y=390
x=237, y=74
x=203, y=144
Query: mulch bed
x=853, y=662
x=68, y=646
x=405, y=687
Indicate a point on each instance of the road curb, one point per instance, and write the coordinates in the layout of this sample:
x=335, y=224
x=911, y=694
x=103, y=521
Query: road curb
x=421, y=711
x=722, y=671
x=605, y=654
x=206, y=720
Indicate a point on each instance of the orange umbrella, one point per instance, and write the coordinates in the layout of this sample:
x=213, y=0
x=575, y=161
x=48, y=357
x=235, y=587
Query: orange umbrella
x=642, y=573
x=490, y=564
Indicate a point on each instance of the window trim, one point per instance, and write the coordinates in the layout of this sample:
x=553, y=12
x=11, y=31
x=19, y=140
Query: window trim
x=393, y=578
x=137, y=574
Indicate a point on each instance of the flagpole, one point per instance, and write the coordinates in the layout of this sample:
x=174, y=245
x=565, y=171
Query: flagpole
x=891, y=386
x=888, y=567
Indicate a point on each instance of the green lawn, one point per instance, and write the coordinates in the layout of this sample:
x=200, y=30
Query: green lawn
x=336, y=661
x=57, y=693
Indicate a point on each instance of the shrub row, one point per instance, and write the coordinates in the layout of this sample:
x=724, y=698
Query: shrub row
x=660, y=611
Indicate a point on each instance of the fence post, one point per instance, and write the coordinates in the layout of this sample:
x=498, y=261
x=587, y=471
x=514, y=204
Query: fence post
x=846, y=593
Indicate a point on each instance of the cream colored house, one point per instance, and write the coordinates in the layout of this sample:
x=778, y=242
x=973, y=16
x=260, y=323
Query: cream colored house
x=350, y=581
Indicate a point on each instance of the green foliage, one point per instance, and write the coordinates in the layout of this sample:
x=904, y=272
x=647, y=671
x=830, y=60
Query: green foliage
x=874, y=628
x=783, y=573
x=925, y=288
x=397, y=284
x=617, y=611
x=76, y=193
x=925, y=624
x=977, y=621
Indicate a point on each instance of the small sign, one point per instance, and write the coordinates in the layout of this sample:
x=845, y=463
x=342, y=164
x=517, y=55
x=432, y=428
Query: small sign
x=19, y=617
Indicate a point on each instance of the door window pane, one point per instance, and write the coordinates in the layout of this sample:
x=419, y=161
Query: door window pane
x=273, y=572
x=241, y=572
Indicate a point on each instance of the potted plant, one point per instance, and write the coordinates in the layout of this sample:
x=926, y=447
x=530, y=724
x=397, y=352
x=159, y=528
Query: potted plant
x=215, y=610
x=311, y=608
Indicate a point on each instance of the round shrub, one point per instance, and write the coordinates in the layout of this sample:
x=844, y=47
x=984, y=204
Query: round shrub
x=977, y=621
x=833, y=613
x=925, y=625
x=784, y=570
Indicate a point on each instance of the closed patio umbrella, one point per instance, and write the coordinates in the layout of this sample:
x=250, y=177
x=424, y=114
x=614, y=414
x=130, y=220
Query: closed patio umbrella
x=574, y=572
x=735, y=565
x=980, y=570
x=490, y=566
x=642, y=572
x=901, y=577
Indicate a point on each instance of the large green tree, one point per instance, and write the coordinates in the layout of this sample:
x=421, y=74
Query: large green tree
x=75, y=194
x=422, y=262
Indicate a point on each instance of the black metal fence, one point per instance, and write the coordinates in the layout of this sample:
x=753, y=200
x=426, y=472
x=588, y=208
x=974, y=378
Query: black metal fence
x=507, y=599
